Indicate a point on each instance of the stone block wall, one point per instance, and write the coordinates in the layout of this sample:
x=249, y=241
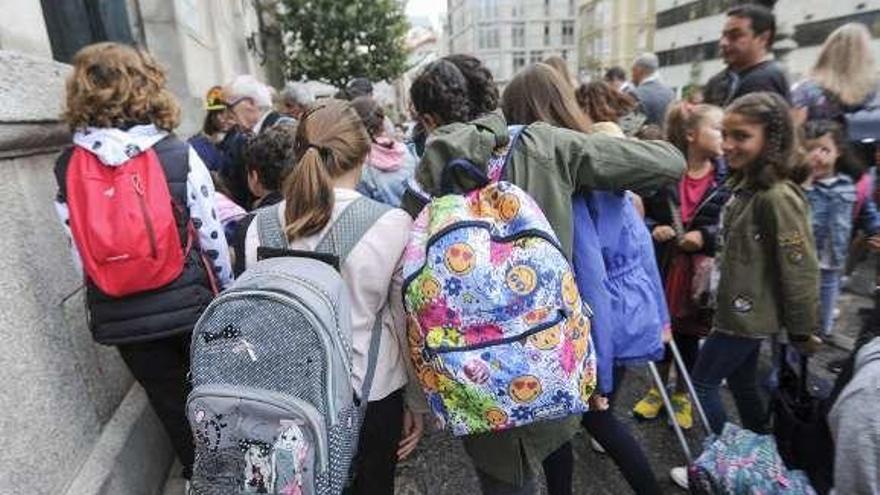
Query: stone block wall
x=71, y=421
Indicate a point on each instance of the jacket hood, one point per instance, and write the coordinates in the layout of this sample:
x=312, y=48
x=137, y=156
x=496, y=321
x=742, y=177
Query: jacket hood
x=473, y=141
x=870, y=352
x=387, y=155
x=116, y=146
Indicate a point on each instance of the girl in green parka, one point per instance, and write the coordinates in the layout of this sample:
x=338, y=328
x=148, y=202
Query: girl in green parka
x=456, y=100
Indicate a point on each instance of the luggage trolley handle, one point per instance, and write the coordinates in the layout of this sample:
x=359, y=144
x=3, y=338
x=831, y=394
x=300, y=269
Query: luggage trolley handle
x=667, y=403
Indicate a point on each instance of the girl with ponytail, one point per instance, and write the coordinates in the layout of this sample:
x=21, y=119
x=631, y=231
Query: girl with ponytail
x=329, y=152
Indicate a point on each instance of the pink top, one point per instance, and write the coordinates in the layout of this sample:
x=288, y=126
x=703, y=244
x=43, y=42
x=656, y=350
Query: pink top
x=691, y=191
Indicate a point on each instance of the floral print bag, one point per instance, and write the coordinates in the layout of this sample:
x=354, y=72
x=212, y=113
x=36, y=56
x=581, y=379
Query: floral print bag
x=499, y=335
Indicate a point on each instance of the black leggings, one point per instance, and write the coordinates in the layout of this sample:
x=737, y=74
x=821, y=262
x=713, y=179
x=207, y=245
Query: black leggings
x=689, y=348
x=620, y=445
x=376, y=458
x=161, y=367
x=558, y=469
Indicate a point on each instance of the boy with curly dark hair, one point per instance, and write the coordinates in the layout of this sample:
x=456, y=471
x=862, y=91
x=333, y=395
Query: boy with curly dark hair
x=268, y=157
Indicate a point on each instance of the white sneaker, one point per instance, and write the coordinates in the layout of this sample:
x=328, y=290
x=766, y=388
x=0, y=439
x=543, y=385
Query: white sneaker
x=679, y=476
x=597, y=447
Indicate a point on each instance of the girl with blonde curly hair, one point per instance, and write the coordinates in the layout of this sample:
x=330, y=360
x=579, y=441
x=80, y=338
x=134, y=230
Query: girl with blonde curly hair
x=122, y=117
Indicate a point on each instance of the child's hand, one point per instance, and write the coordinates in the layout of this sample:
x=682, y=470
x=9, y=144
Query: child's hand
x=874, y=242
x=692, y=241
x=663, y=233
x=413, y=426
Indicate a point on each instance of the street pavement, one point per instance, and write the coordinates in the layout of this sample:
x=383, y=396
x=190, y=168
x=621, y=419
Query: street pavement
x=440, y=466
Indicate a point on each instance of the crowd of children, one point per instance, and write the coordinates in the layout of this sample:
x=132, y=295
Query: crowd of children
x=728, y=233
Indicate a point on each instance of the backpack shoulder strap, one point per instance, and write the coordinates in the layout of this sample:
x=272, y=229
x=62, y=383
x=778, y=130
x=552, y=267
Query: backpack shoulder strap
x=348, y=228
x=344, y=234
x=498, y=164
x=269, y=227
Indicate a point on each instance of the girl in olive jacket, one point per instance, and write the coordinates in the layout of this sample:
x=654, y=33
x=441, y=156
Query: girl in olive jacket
x=456, y=100
x=769, y=274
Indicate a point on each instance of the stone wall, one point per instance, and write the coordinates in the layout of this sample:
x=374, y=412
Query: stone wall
x=71, y=420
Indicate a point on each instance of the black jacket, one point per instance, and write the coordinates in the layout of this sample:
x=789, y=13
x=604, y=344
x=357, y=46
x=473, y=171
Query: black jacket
x=658, y=211
x=162, y=312
x=728, y=85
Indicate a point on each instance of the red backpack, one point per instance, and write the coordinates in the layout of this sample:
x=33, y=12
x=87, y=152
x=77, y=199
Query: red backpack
x=122, y=221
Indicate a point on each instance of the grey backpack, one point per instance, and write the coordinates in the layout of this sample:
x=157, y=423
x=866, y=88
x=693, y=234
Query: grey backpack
x=272, y=408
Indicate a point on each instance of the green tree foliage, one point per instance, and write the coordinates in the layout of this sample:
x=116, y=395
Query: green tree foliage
x=335, y=40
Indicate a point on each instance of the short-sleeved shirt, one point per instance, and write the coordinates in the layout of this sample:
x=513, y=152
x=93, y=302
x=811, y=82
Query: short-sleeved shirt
x=729, y=85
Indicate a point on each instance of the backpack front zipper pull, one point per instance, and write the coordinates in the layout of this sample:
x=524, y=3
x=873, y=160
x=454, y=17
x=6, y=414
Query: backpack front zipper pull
x=148, y=222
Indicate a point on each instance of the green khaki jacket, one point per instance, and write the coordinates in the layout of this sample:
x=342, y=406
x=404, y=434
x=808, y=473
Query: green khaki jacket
x=769, y=270
x=550, y=164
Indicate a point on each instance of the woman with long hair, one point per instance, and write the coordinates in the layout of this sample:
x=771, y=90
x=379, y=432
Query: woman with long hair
x=843, y=79
x=539, y=94
x=330, y=149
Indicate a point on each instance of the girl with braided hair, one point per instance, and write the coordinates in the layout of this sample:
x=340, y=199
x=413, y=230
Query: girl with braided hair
x=766, y=259
x=769, y=273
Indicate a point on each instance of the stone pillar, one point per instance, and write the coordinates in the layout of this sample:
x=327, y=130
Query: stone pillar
x=72, y=421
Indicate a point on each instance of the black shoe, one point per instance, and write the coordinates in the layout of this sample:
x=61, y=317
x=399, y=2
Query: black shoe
x=836, y=366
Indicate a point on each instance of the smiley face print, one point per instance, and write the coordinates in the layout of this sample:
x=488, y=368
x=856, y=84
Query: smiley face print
x=507, y=206
x=460, y=259
x=524, y=389
x=547, y=339
x=522, y=280
x=430, y=288
x=570, y=294
x=496, y=417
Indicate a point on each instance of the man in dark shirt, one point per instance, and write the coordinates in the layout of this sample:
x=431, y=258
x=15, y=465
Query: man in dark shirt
x=745, y=46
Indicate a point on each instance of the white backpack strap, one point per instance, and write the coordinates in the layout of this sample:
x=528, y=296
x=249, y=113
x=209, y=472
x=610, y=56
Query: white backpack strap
x=343, y=236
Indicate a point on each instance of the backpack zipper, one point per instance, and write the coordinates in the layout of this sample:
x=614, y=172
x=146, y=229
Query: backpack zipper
x=142, y=202
x=560, y=315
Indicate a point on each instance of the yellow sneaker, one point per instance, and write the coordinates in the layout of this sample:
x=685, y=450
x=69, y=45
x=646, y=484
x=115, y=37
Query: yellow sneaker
x=683, y=411
x=650, y=405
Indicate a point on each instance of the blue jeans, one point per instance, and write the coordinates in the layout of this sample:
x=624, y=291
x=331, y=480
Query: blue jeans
x=736, y=359
x=829, y=290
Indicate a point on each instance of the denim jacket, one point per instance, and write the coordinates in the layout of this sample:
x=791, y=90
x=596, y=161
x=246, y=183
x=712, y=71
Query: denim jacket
x=832, y=203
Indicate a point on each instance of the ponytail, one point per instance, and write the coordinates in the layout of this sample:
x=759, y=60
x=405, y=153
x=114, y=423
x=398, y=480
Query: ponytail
x=330, y=141
x=309, y=196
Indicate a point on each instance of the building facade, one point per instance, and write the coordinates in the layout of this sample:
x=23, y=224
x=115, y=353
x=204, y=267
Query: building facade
x=613, y=33
x=507, y=35
x=201, y=43
x=687, y=33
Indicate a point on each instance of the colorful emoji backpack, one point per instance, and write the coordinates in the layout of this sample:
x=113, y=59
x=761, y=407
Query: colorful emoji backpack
x=499, y=335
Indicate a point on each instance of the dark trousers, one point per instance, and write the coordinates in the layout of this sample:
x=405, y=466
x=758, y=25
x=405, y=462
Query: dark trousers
x=620, y=445
x=376, y=458
x=558, y=470
x=736, y=359
x=161, y=367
